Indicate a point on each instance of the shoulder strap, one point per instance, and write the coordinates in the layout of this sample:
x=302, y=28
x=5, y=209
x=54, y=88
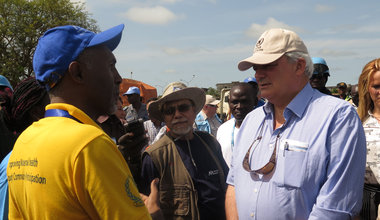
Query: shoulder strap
x=212, y=150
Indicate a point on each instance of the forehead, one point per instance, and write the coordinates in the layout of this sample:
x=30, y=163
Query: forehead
x=101, y=52
x=375, y=77
x=241, y=89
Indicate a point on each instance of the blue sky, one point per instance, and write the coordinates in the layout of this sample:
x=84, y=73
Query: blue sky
x=200, y=42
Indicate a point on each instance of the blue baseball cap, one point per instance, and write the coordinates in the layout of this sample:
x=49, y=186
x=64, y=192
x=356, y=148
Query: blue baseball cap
x=4, y=82
x=250, y=79
x=59, y=46
x=132, y=90
x=320, y=66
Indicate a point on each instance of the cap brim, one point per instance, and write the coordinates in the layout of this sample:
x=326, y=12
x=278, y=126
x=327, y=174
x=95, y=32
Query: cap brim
x=259, y=59
x=111, y=37
x=197, y=95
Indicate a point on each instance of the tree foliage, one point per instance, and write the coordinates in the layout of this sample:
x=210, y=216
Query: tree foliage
x=22, y=22
x=213, y=92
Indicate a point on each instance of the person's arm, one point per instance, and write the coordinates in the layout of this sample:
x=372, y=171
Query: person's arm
x=148, y=174
x=230, y=204
x=340, y=194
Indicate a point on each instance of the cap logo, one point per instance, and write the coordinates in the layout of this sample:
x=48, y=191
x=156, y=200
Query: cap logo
x=259, y=43
x=176, y=88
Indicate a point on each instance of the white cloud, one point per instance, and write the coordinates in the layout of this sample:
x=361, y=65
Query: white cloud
x=343, y=48
x=170, y=1
x=155, y=15
x=351, y=29
x=336, y=53
x=170, y=71
x=172, y=51
x=255, y=30
x=177, y=51
x=323, y=8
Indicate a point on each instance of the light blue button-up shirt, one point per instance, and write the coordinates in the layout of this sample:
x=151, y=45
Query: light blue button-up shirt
x=320, y=154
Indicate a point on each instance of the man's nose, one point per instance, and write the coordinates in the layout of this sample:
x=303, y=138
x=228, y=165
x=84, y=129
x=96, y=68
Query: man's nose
x=259, y=74
x=117, y=77
x=177, y=113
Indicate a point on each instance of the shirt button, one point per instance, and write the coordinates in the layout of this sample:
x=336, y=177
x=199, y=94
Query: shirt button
x=255, y=190
x=271, y=146
x=252, y=214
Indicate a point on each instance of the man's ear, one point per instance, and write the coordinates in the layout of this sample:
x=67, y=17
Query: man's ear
x=300, y=66
x=76, y=72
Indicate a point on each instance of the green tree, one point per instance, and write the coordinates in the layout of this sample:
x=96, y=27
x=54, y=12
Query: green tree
x=22, y=22
x=213, y=92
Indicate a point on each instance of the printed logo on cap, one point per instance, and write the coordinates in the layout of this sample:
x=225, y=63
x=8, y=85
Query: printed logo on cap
x=259, y=43
x=176, y=88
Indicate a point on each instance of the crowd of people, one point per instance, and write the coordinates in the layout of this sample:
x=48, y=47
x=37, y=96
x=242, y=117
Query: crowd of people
x=289, y=150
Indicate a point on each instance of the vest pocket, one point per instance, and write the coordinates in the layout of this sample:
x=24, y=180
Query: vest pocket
x=175, y=200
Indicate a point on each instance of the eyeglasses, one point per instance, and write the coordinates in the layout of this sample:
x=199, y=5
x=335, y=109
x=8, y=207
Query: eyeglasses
x=268, y=167
x=172, y=109
x=214, y=106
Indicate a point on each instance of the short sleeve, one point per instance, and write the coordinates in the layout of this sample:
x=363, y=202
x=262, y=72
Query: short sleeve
x=104, y=184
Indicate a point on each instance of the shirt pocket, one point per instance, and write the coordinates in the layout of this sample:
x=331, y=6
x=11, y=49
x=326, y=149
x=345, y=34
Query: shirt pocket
x=175, y=200
x=291, y=164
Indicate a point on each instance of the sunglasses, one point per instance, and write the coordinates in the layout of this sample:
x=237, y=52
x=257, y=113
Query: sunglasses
x=268, y=167
x=172, y=109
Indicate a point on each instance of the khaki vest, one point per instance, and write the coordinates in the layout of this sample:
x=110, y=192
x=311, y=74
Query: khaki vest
x=178, y=197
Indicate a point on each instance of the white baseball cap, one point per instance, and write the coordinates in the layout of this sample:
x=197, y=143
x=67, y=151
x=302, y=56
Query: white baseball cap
x=273, y=44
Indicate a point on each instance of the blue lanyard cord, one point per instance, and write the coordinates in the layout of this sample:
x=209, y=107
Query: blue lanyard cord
x=59, y=113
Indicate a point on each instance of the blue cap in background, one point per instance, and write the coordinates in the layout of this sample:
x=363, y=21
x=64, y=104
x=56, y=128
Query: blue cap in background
x=250, y=79
x=320, y=66
x=4, y=82
x=59, y=46
x=132, y=90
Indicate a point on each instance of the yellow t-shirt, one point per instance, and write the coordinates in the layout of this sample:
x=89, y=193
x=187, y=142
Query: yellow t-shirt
x=63, y=169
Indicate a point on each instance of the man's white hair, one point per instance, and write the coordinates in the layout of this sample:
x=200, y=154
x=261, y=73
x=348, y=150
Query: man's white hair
x=295, y=55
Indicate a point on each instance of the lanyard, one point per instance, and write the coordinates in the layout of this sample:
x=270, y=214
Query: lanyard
x=59, y=113
x=233, y=136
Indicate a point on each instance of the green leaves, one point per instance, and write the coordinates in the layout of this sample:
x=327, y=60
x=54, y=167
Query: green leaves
x=22, y=22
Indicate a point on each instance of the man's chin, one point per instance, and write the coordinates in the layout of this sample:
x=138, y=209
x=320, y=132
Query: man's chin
x=238, y=117
x=181, y=131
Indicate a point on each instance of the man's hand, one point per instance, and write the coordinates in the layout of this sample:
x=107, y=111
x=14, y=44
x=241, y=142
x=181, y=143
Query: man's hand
x=152, y=202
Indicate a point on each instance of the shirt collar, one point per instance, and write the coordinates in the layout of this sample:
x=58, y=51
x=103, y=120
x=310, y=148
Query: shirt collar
x=298, y=104
x=370, y=112
x=74, y=111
